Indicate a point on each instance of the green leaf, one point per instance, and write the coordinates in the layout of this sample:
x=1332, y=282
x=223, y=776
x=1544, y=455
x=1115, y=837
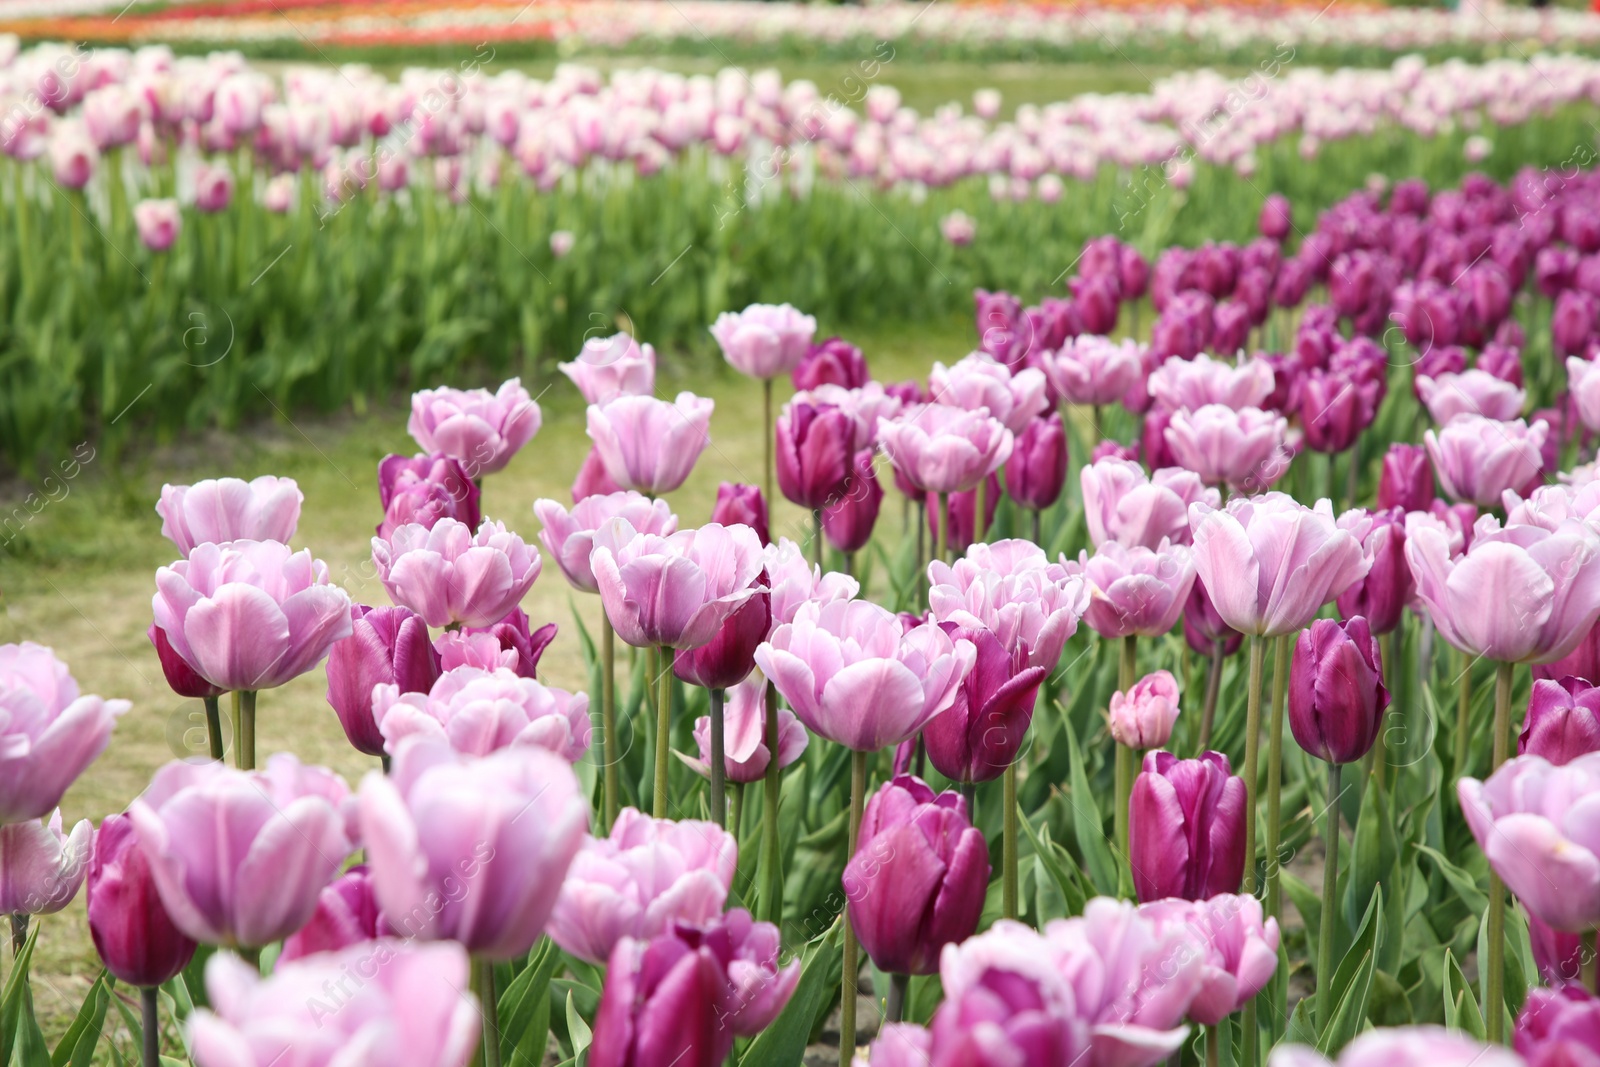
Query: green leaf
x=1307, y=901
x=30, y=1050
x=1352, y=982
x=1301, y=1030
x=581, y=1034
x=1460, y=1005
x=13, y=993
x=1466, y=886
x=77, y=1045
x=783, y=1044
x=1374, y=852
x=525, y=1010
x=1087, y=826
x=1054, y=861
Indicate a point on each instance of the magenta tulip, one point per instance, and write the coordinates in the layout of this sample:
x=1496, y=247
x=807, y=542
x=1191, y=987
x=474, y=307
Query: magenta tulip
x=1275, y=221
x=1406, y=480
x=569, y=536
x=832, y=362
x=1124, y=505
x=478, y=711
x=132, y=932
x=1557, y=954
x=740, y=505
x=1241, y=950
x=479, y=429
x=1582, y=662
x=592, y=479
x=1244, y=449
x=674, y=591
x=764, y=340
x=1402, y=1046
x=1559, y=1027
x=450, y=575
x=1186, y=827
x=1135, y=591
x=981, y=734
x=284, y=833
x=1203, y=627
x=978, y=383
x=347, y=914
x=1478, y=459
x=1037, y=469
x=1143, y=716
x=49, y=734
x=1563, y=721
x=729, y=657
x=385, y=646
x=472, y=849
x=41, y=868
x=609, y=367
x=1012, y=590
x=813, y=454
x=1335, y=408
x=647, y=876
x=942, y=449
x=650, y=445
x=423, y=490
x=847, y=522
x=865, y=406
x=745, y=753
x=1337, y=698
x=220, y=510
x=1382, y=595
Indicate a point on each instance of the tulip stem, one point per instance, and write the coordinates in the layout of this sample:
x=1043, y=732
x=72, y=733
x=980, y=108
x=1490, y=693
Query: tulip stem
x=941, y=541
x=978, y=523
x=816, y=537
x=19, y=933
x=1038, y=523
x=1330, y=889
x=1252, y=759
x=150, y=1019
x=663, y=731
x=1463, y=715
x=852, y=962
x=922, y=543
x=736, y=820
x=238, y=718
x=1127, y=667
x=1214, y=1045
x=1208, y=715
x=1587, y=971
x=766, y=388
x=214, y=727
x=609, y=755
x=246, y=744
x=1008, y=845
x=772, y=788
x=719, y=770
x=1495, y=981
x=483, y=987
x=895, y=1010
x=1280, y=689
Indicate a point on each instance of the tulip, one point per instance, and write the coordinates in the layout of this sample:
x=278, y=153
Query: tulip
x=1472, y=392
x=1095, y=370
x=49, y=734
x=609, y=367
x=729, y=657
x=592, y=479
x=741, y=505
x=1203, y=627
x=283, y=837
x=1185, y=326
x=479, y=429
x=1558, y=1026
x=1096, y=298
x=228, y=509
x=1241, y=951
x=745, y=754
x=1037, y=469
x=1003, y=327
x=385, y=646
x=132, y=932
x=569, y=536
x=847, y=522
x=1135, y=591
x=1582, y=662
x=681, y=998
x=1334, y=409
x=764, y=341
x=1123, y=505
x=1275, y=221
x=472, y=849
x=796, y=581
x=507, y=643
x=979, y=737
x=386, y=1001
x=213, y=187
x=1143, y=716
x=865, y=406
x=942, y=449
x=674, y=591
x=832, y=362
x=1337, y=698
x=899, y=1045
x=180, y=676
x=978, y=383
x=962, y=530
x=1186, y=827
x=916, y=882
x=642, y=880
x=450, y=575
x=1478, y=459
x=1563, y=721
x=1402, y=1046
x=1012, y=590
x=1584, y=384
x=958, y=228
x=41, y=868
x=1558, y=955
x=479, y=711
x=650, y=445
x=1406, y=481
x=423, y=490
x=1572, y=322
x=1244, y=449
x=1382, y=595
x=813, y=454
x=347, y=914
x=159, y=222
x=1195, y=383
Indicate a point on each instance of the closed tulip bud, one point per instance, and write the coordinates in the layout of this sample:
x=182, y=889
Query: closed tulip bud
x=1382, y=595
x=1037, y=469
x=847, y=523
x=1097, y=299
x=1337, y=698
x=1143, y=717
x=347, y=914
x=813, y=453
x=1572, y=322
x=1563, y=721
x=1231, y=327
x=385, y=646
x=1335, y=409
x=132, y=932
x=729, y=657
x=1293, y=282
x=1186, y=827
x=833, y=362
x=1133, y=271
x=1503, y=360
x=1275, y=217
x=213, y=187
x=1406, y=480
x=1203, y=627
x=742, y=505
x=423, y=490
x=979, y=737
x=1003, y=329
x=917, y=880
x=180, y=676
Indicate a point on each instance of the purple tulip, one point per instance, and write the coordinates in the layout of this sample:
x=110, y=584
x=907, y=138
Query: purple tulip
x=220, y=510
x=1334, y=409
x=347, y=914
x=1133, y=272
x=679, y=1000
x=745, y=753
x=1012, y=590
x=738, y=505
x=609, y=367
x=1559, y=1027
x=1095, y=370
x=1203, y=627
x=1135, y=591
x=848, y=521
x=1003, y=329
x=283, y=835
x=1403, y=1046
x=647, y=876
x=480, y=429
x=674, y=591
x=1186, y=827
x=569, y=536
x=1406, y=481
x=942, y=449
x=853, y=677
x=833, y=362
x=507, y=643
x=1269, y=563
x=132, y=932
x=1037, y=469
x=729, y=657
x=1185, y=325
x=1231, y=326
x=1275, y=220
x=1563, y=721
x=916, y=882
x=865, y=406
x=981, y=734
x=1254, y=291
x=1244, y=449
x=423, y=490
x=1382, y=595
x=650, y=445
x=1572, y=322
x=1097, y=298
x=979, y=383
x=385, y=646
x=1427, y=314
x=1557, y=954
x=505, y=825
x=1241, y=951
x=49, y=734
x=1143, y=716
x=1123, y=505
x=180, y=676
x=764, y=341
x=41, y=868
x=1582, y=662
x=388, y=1001
x=1337, y=698
x=1553, y=270
x=479, y=711
x=1293, y=282
x=450, y=575
x=813, y=453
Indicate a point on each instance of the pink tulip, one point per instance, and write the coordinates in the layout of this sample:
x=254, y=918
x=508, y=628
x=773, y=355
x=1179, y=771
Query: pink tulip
x=650, y=445
x=1241, y=951
x=1135, y=591
x=41, y=868
x=674, y=591
x=1472, y=392
x=958, y=228
x=795, y=580
x=742, y=505
x=213, y=187
x=865, y=405
x=507, y=645
x=450, y=575
x=388, y=1002
x=423, y=490
x=1402, y=1046
x=745, y=754
x=1012, y=590
x=1143, y=716
x=1406, y=480
x=1096, y=370
x=1191, y=384
x=1124, y=505
x=347, y=914
x=852, y=676
x=472, y=849
x=569, y=536
x=978, y=382
x=609, y=367
x=478, y=711
x=220, y=510
x=647, y=876
x=943, y=449
x=1243, y=449
x=1519, y=594
x=1583, y=382
x=1563, y=721
x=239, y=857
x=764, y=341
x=1478, y=459
x=132, y=932
x=592, y=479
x=1559, y=1027
x=49, y=734
x=1269, y=563
x=480, y=429
x=899, y=1045
x=73, y=157
x=159, y=222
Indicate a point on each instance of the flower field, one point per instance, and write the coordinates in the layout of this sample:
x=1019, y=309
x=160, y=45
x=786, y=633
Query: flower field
x=606, y=565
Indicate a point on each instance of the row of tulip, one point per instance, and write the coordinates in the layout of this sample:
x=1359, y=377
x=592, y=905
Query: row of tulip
x=200, y=286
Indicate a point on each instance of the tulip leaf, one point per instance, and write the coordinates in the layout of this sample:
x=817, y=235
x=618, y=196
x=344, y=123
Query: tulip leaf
x=1466, y=886
x=30, y=1050
x=525, y=1010
x=1374, y=852
x=78, y=1044
x=13, y=993
x=1301, y=1029
x=1054, y=861
x=581, y=1034
x=1087, y=826
x=1352, y=982
x=1460, y=1005
x=783, y=1043
x=1306, y=901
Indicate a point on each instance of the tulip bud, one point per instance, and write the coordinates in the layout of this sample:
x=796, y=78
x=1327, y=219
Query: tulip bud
x=833, y=362
x=1186, y=827
x=1203, y=626
x=742, y=505
x=347, y=914
x=979, y=736
x=180, y=676
x=386, y=645
x=1406, y=481
x=813, y=453
x=729, y=657
x=745, y=753
x=1275, y=217
x=917, y=880
x=1563, y=721
x=848, y=521
x=1143, y=717
x=131, y=929
x=1336, y=693
x=1381, y=596
x=1037, y=469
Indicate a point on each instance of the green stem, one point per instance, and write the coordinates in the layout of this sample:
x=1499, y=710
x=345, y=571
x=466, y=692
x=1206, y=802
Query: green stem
x=214, y=727
x=978, y=523
x=852, y=959
x=1330, y=884
x=238, y=725
x=150, y=1019
x=1037, y=524
x=1280, y=689
x=719, y=770
x=663, y=730
x=488, y=1052
x=1127, y=667
x=816, y=537
x=736, y=820
x=1586, y=962
x=246, y=743
x=766, y=388
x=941, y=541
x=609, y=754
x=1495, y=981
x=1008, y=845
x=772, y=787
x=1252, y=759
x=895, y=1010
x=19, y=933
x=1214, y=1046
x=1463, y=715
x=1208, y=716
